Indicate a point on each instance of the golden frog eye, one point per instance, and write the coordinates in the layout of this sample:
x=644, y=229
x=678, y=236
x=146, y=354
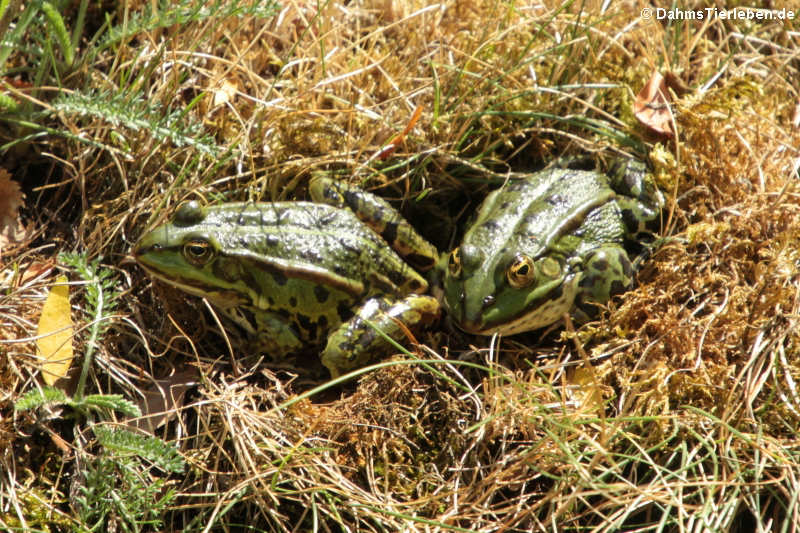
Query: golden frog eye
x=454, y=263
x=198, y=252
x=521, y=272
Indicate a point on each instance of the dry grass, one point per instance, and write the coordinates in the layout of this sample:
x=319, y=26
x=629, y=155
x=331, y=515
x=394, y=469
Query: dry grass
x=686, y=418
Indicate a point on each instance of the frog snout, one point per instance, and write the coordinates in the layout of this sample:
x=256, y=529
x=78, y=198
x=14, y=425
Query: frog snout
x=471, y=312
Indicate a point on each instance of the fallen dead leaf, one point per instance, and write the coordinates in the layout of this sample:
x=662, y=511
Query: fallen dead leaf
x=35, y=270
x=11, y=198
x=163, y=400
x=55, y=333
x=652, y=108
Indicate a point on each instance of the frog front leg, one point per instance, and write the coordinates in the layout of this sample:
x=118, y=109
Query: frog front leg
x=356, y=343
x=606, y=271
x=269, y=333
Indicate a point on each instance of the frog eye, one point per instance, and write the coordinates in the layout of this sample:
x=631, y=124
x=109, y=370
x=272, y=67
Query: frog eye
x=454, y=263
x=521, y=272
x=197, y=251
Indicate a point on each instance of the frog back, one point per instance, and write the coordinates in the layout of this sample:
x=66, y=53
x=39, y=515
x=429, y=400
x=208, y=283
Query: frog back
x=562, y=212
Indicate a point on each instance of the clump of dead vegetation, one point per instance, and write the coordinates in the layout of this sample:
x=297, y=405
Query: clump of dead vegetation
x=678, y=407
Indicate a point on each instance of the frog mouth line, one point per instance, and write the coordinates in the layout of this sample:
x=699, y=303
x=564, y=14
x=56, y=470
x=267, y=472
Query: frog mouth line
x=220, y=298
x=545, y=310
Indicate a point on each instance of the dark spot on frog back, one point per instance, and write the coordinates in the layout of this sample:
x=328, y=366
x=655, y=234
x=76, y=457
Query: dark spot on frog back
x=630, y=220
x=352, y=199
x=421, y=262
x=321, y=293
x=515, y=186
x=327, y=219
x=617, y=287
x=491, y=226
x=397, y=277
x=308, y=327
x=415, y=285
x=312, y=256
x=600, y=264
x=390, y=232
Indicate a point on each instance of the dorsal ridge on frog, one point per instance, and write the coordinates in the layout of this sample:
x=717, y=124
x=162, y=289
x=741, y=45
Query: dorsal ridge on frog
x=550, y=243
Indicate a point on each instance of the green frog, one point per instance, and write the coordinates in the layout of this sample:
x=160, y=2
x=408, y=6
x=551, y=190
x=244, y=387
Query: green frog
x=550, y=243
x=301, y=274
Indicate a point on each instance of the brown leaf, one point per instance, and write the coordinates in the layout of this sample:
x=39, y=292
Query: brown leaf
x=163, y=400
x=11, y=197
x=652, y=108
x=29, y=273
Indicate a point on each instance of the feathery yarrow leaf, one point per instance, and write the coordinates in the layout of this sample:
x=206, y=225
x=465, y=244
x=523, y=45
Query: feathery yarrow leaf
x=39, y=397
x=152, y=449
x=170, y=13
x=136, y=114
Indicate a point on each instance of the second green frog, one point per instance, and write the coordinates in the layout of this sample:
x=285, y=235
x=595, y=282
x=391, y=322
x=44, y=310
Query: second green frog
x=549, y=243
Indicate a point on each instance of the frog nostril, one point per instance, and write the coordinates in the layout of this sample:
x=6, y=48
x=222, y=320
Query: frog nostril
x=488, y=301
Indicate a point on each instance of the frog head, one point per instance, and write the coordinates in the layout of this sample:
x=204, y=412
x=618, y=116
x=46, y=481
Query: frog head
x=187, y=253
x=508, y=292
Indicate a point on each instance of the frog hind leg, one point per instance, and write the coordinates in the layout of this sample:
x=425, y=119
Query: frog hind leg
x=607, y=271
x=356, y=343
x=639, y=199
x=376, y=213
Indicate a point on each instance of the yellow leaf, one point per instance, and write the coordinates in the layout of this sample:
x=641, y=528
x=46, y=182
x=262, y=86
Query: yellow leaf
x=55, y=333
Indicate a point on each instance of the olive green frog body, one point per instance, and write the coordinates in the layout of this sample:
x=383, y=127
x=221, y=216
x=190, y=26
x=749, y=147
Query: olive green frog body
x=547, y=244
x=300, y=274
